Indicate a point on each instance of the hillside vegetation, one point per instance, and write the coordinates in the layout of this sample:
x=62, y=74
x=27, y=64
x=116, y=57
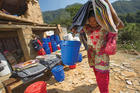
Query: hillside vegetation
x=128, y=10
x=66, y=14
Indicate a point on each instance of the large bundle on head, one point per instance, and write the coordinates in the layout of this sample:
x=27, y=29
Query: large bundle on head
x=82, y=15
x=104, y=13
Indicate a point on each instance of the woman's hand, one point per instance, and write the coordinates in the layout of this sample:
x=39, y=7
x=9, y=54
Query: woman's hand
x=120, y=25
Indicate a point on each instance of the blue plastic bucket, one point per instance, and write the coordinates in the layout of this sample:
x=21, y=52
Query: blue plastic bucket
x=54, y=46
x=52, y=37
x=80, y=58
x=58, y=73
x=70, y=52
x=46, y=48
x=57, y=39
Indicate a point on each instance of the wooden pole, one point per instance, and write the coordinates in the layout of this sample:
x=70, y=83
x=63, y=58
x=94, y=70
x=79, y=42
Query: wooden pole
x=25, y=37
x=59, y=31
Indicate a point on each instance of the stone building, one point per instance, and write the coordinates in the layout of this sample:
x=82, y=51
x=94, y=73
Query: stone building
x=19, y=19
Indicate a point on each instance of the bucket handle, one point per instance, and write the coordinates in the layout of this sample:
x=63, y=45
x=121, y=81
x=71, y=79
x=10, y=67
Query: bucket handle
x=64, y=43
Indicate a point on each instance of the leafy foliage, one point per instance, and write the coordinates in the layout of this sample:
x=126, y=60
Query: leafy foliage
x=62, y=16
x=59, y=16
x=129, y=37
x=73, y=9
x=126, y=6
x=131, y=17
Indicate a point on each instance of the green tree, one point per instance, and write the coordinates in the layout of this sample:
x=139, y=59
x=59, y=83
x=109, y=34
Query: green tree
x=137, y=17
x=130, y=18
x=129, y=36
x=73, y=9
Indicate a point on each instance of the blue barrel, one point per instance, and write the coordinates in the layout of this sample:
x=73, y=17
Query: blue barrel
x=58, y=73
x=46, y=48
x=80, y=58
x=52, y=37
x=54, y=46
x=57, y=39
x=70, y=52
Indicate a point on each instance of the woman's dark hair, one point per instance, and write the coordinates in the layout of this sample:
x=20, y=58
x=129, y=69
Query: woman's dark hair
x=91, y=14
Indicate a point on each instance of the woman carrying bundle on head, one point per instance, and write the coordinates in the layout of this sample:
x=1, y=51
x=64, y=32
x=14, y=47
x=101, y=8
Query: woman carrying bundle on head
x=97, y=33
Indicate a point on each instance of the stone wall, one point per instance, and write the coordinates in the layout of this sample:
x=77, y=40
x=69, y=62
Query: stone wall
x=33, y=13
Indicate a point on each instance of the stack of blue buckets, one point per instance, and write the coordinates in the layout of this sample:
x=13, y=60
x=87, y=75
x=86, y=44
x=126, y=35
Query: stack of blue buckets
x=57, y=71
x=55, y=40
x=46, y=45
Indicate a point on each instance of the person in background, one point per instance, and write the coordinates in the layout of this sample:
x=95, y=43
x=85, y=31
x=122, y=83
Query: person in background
x=97, y=58
x=37, y=45
x=83, y=39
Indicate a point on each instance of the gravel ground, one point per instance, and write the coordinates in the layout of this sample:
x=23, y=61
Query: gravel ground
x=124, y=76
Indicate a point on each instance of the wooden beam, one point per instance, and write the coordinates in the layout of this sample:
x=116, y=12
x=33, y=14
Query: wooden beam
x=24, y=23
x=24, y=36
x=9, y=81
x=16, y=27
x=7, y=27
x=39, y=28
x=59, y=31
x=14, y=18
x=13, y=86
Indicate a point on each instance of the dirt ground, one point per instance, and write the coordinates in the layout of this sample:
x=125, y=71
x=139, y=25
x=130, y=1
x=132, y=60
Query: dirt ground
x=124, y=76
